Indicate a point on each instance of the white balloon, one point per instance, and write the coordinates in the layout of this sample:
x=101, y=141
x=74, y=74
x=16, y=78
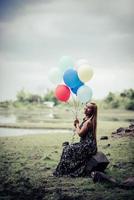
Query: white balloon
x=81, y=62
x=85, y=73
x=66, y=62
x=84, y=94
x=55, y=75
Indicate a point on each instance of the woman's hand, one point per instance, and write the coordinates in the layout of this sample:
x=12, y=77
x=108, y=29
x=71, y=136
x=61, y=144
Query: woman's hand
x=76, y=122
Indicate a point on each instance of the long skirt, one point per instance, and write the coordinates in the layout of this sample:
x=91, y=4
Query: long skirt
x=74, y=159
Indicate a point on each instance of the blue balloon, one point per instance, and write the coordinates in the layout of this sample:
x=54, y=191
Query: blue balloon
x=74, y=90
x=71, y=78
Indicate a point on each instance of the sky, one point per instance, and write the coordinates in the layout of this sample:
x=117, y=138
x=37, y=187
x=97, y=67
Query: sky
x=34, y=35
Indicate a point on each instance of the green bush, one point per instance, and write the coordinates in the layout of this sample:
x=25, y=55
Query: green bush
x=49, y=96
x=110, y=97
x=115, y=103
x=26, y=97
x=4, y=104
x=129, y=105
x=123, y=100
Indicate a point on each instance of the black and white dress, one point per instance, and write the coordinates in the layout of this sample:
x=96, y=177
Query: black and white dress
x=75, y=156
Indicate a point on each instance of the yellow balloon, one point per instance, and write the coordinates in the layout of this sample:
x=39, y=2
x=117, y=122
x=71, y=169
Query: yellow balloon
x=85, y=72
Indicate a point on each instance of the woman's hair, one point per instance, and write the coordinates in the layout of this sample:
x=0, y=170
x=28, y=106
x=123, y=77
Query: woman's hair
x=94, y=119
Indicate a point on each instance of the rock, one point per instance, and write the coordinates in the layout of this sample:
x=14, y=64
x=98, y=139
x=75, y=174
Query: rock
x=98, y=162
x=102, y=178
x=46, y=158
x=120, y=130
x=106, y=146
x=65, y=144
x=121, y=165
x=129, y=182
x=131, y=125
x=104, y=138
x=128, y=130
x=115, y=166
x=44, y=168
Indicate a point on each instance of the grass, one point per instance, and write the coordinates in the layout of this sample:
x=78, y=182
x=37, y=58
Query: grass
x=27, y=163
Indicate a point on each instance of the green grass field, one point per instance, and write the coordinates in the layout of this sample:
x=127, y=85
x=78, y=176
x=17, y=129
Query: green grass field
x=27, y=162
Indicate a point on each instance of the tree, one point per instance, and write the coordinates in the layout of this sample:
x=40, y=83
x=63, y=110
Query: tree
x=26, y=97
x=22, y=96
x=128, y=93
x=49, y=96
x=110, y=97
x=34, y=98
x=129, y=105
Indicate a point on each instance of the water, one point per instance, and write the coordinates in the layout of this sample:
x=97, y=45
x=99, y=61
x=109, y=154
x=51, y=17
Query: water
x=27, y=117
x=20, y=131
x=7, y=119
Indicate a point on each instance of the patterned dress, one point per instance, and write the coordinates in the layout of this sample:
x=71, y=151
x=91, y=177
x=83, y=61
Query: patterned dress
x=75, y=156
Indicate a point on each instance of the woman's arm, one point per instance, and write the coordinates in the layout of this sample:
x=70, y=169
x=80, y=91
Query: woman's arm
x=84, y=129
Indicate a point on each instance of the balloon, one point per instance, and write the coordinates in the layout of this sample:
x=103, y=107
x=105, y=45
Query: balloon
x=65, y=63
x=85, y=73
x=55, y=75
x=84, y=94
x=74, y=90
x=81, y=62
x=71, y=78
x=62, y=93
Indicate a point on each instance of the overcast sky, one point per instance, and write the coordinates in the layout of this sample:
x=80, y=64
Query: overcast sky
x=34, y=35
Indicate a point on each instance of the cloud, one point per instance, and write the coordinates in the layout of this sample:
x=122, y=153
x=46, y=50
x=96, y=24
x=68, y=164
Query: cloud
x=35, y=34
x=48, y=29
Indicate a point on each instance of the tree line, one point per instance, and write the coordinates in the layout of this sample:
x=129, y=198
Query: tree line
x=123, y=100
x=27, y=97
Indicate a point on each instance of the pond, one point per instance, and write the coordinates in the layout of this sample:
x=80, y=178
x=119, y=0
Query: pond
x=20, y=131
x=27, y=117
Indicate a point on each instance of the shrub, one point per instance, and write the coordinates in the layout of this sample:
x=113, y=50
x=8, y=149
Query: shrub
x=129, y=105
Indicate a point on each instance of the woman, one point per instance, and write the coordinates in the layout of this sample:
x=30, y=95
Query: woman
x=75, y=156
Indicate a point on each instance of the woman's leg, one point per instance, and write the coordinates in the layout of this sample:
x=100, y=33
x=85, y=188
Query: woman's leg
x=73, y=158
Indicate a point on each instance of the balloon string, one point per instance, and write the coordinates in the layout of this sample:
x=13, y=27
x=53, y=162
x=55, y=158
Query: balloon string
x=75, y=106
x=78, y=107
x=77, y=102
x=72, y=140
x=71, y=108
x=76, y=114
x=73, y=102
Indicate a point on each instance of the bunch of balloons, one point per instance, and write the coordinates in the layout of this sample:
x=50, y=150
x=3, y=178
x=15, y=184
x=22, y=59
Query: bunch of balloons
x=74, y=76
